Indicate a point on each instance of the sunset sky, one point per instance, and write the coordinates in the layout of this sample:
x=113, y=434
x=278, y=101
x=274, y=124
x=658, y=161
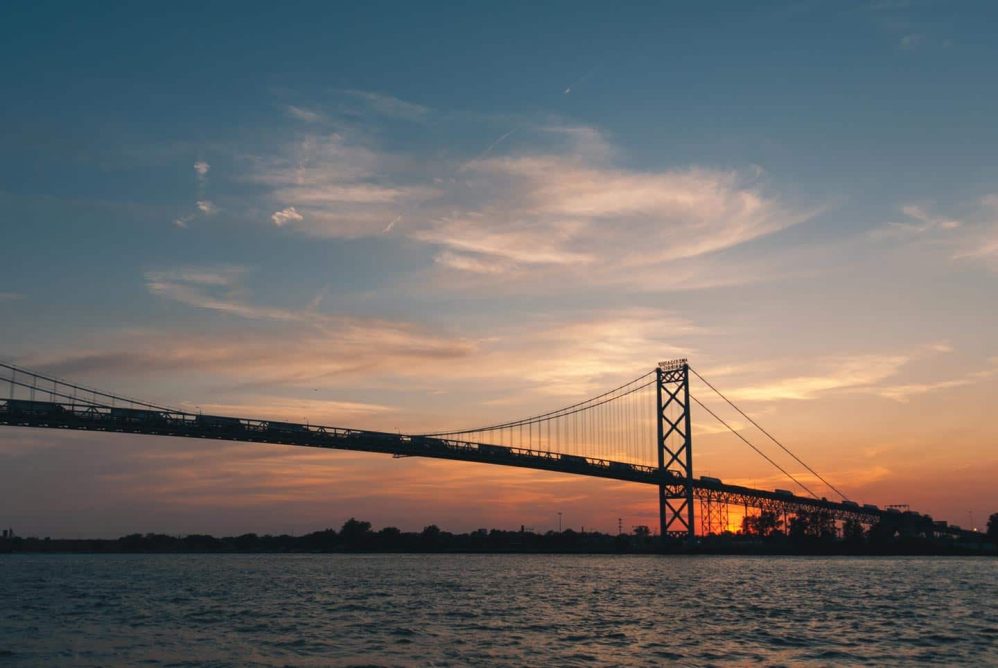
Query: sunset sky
x=418, y=216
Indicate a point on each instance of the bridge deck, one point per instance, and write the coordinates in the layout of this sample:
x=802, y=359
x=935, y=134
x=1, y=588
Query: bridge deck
x=189, y=425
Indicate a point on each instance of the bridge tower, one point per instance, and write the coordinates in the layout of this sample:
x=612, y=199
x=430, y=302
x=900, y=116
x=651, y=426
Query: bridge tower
x=675, y=450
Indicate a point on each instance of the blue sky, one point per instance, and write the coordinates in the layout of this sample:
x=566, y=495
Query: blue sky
x=415, y=215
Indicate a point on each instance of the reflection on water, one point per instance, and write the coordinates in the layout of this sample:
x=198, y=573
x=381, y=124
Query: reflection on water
x=237, y=610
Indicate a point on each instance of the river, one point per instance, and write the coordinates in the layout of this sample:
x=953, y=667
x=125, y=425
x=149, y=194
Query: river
x=511, y=610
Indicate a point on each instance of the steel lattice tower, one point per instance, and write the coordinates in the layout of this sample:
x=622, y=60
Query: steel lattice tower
x=675, y=450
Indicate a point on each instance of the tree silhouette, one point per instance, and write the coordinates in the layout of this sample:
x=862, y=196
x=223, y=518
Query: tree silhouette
x=354, y=530
x=852, y=531
x=814, y=524
x=905, y=533
x=766, y=524
x=431, y=535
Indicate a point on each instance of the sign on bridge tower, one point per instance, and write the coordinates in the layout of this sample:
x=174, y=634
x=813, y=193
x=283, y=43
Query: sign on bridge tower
x=675, y=450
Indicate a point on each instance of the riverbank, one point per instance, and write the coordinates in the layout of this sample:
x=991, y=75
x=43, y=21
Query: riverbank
x=494, y=542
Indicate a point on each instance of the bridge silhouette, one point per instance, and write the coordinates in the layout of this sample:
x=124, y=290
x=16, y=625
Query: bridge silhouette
x=638, y=432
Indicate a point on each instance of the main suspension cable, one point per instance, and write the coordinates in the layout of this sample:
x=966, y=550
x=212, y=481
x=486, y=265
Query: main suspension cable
x=14, y=370
x=771, y=437
x=749, y=443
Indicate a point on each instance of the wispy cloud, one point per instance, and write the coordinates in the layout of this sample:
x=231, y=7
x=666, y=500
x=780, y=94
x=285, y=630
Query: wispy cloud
x=562, y=204
x=218, y=289
x=557, y=209
x=983, y=242
x=303, y=114
x=333, y=355
x=580, y=356
x=920, y=222
x=223, y=275
x=971, y=237
x=285, y=216
x=10, y=296
x=388, y=105
x=875, y=374
x=339, y=186
x=844, y=373
x=539, y=359
x=203, y=206
x=466, y=263
x=303, y=335
x=904, y=392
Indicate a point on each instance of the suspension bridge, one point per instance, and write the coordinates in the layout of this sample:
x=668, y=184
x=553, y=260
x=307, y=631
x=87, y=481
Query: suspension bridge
x=638, y=432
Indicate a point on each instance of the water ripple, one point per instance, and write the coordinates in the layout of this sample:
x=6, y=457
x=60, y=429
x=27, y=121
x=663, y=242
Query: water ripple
x=503, y=610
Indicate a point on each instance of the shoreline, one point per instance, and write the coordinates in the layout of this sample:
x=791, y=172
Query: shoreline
x=772, y=551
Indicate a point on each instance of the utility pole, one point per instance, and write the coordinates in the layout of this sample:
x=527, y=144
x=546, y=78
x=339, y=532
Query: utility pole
x=559, y=522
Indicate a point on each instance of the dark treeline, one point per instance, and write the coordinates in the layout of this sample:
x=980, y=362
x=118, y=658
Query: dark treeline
x=761, y=534
x=817, y=532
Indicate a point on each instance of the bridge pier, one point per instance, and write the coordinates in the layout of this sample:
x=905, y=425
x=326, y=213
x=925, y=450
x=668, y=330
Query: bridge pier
x=714, y=515
x=675, y=450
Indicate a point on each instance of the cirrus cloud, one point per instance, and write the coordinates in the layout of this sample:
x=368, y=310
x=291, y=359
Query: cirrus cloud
x=973, y=237
x=558, y=201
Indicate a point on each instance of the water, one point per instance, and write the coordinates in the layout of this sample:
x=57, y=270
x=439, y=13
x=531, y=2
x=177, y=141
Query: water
x=302, y=610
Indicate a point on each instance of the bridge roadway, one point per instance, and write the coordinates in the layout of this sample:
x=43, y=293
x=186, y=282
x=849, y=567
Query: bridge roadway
x=88, y=417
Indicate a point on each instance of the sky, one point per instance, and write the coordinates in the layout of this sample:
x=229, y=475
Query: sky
x=425, y=216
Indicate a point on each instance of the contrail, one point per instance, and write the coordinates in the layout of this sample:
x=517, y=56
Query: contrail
x=496, y=143
x=392, y=224
x=481, y=155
